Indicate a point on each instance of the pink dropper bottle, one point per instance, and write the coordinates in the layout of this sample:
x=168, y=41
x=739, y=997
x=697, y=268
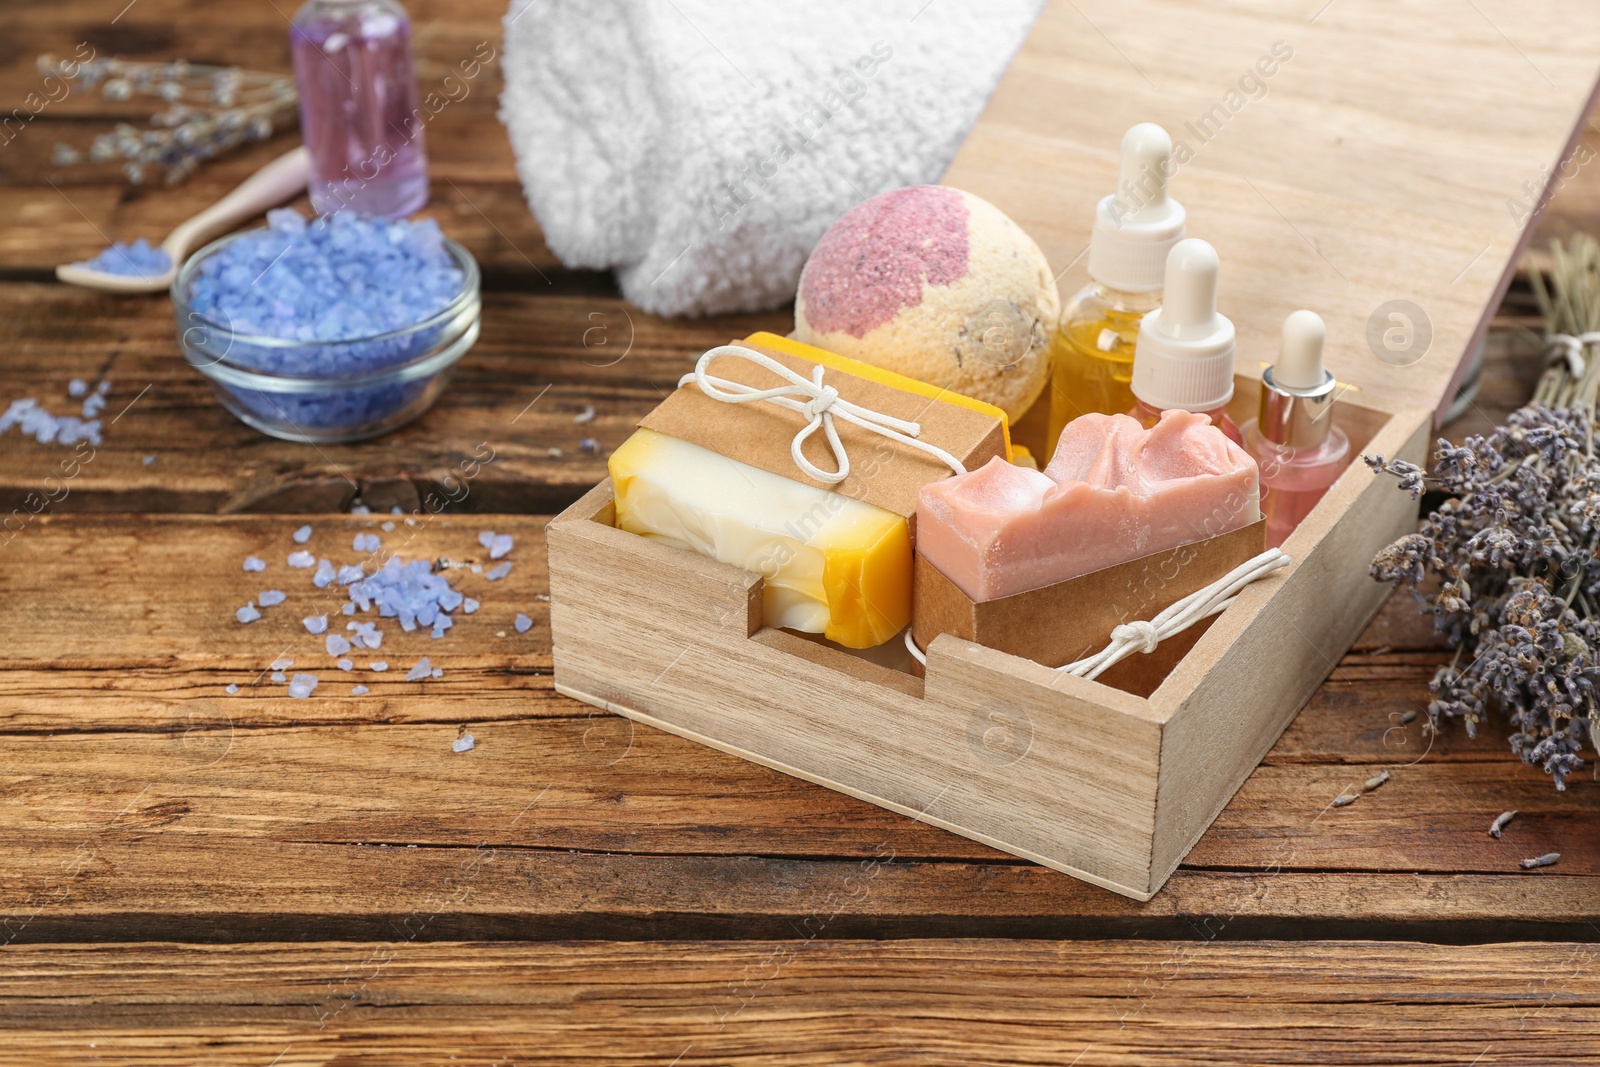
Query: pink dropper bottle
x=359, y=113
x=1293, y=439
x=1183, y=357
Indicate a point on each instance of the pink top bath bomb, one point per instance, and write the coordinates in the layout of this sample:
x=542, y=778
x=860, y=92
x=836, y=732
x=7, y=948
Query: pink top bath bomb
x=1113, y=492
x=938, y=285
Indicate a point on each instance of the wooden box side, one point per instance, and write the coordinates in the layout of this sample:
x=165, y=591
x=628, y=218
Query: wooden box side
x=1289, y=632
x=1006, y=752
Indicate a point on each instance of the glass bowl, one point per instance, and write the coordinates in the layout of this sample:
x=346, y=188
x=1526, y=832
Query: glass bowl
x=328, y=391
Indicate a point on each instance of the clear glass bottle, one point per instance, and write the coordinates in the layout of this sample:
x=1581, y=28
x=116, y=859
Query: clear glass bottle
x=1300, y=451
x=1091, y=355
x=1149, y=416
x=1135, y=228
x=359, y=113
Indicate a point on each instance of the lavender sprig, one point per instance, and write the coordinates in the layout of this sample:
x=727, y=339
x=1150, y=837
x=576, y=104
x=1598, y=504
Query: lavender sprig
x=1513, y=549
x=209, y=110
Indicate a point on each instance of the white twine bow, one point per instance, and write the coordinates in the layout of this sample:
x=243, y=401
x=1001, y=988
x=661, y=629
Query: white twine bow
x=1141, y=636
x=1571, y=347
x=819, y=403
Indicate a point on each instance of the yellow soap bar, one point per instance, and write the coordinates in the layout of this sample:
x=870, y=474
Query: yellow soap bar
x=832, y=565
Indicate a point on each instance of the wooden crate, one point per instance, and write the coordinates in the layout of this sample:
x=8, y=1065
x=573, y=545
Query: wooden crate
x=1089, y=780
x=1370, y=180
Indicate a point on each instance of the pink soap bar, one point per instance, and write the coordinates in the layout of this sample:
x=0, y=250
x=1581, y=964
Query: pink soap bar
x=1113, y=492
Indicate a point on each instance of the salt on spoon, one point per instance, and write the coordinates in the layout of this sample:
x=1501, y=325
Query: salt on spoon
x=282, y=179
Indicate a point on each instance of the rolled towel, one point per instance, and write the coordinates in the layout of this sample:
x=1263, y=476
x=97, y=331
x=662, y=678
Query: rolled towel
x=702, y=148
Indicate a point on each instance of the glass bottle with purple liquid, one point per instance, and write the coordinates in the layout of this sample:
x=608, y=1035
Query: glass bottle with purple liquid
x=359, y=112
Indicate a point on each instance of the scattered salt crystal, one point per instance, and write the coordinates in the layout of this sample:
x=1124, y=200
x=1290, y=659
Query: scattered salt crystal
x=349, y=609
x=420, y=671
x=248, y=613
x=589, y=444
x=438, y=672
x=468, y=605
x=302, y=559
x=397, y=510
x=359, y=691
x=77, y=388
x=485, y=538
x=278, y=676
x=542, y=596
x=476, y=568
x=360, y=509
x=387, y=527
x=103, y=387
x=378, y=665
x=351, y=573
x=464, y=743
x=586, y=415
x=138, y=259
x=336, y=645
x=345, y=665
x=523, y=624
x=365, y=542
x=302, y=535
x=315, y=624
x=554, y=453
x=271, y=598
x=93, y=406
x=302, y=685
x=232, y=689
x=282, y=663
x=501, y=546
x=410, y=521
x=373, y=638
x=149, y=461
x=498, y=572
x=254, y=563
x=324, y=576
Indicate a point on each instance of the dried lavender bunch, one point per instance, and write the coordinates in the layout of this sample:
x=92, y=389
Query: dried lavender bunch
x=209, y=110
x=1514, y=548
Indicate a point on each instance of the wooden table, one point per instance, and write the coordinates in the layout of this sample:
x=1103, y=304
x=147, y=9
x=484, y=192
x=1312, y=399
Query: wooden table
x=192, y=877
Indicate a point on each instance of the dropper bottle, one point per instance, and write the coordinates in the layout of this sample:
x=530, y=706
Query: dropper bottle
x=1134, y=229
x=1184, y=355
x=1293, y=439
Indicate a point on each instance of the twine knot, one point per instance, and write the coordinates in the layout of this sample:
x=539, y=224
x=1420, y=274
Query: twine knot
x=1140, y=635
x=821, y=405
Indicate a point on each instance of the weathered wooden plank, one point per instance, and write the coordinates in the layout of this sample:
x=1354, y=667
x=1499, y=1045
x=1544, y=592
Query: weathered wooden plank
x=120, y=639
x=605, y=787
x=145, y=881
x=540, y=363
x=801, y=1002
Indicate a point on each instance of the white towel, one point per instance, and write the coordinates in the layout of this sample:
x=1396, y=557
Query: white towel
x=701, y=148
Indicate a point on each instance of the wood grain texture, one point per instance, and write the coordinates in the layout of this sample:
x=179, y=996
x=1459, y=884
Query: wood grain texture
x=1367, y=153
x=817, y=1002
x=120, y=641
x=137, y=800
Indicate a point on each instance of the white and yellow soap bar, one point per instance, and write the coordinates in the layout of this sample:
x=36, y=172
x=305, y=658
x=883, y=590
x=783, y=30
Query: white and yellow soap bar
x=832, y=565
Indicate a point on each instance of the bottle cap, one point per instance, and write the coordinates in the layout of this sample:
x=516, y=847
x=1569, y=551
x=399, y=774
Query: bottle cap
x=1136, y=227
x=1297, y=392
x=1184, y=355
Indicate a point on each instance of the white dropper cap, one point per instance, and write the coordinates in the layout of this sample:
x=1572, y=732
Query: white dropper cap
x=1136, y=227
x=1299, y=367
x=1184, y=355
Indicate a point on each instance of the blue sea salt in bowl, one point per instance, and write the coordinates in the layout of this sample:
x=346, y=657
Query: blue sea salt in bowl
x=330, y=330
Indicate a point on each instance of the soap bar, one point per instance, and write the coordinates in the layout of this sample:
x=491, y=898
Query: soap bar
x=1112, y=492
x=832, y=565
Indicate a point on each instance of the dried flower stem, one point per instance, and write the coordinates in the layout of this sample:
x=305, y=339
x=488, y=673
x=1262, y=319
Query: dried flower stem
x=1514, y=549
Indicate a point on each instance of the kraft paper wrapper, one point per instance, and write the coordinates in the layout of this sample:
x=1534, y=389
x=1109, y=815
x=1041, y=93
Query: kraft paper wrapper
x=1062, y=623
x=883, y=472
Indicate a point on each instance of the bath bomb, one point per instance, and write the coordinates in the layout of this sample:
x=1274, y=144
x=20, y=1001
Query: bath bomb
x=936, y=284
